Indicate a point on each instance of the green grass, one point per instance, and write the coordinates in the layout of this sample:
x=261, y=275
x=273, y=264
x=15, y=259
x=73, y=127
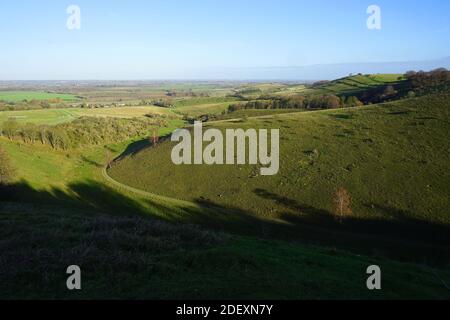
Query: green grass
x=245, y=113
x=199, y=106
x=42, y=116
x=16, y=96
x=131, y=257
x=392, y=158
x=353, y=85
x=57, y=116
x=202, y=109
x=380, y=145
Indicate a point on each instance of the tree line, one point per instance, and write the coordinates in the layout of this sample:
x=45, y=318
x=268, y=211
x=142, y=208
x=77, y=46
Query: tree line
x=32, y=104
x=325, y=101
x=85, y=131
x=416, y=84
x=422, y=80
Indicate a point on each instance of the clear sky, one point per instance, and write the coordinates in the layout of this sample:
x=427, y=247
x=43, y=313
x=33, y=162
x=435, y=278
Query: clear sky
x=149, y=39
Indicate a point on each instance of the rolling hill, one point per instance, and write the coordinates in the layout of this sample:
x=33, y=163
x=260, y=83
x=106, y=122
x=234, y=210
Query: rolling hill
x=392, y=158
x=146, y=228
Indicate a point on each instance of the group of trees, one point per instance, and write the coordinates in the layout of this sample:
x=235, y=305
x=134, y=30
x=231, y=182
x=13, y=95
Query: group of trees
x=81, y=132
x=417, y=83
x=186, y=93
x=163, y=103
x=381, y=94
x=421, y=80
x=325, y=101
x=31, y=105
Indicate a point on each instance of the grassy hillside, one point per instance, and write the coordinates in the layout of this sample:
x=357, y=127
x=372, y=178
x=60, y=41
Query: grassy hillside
x=354, y=85
x=392, y=158
x=258, y=237
x=134, y=257
x=125, y=253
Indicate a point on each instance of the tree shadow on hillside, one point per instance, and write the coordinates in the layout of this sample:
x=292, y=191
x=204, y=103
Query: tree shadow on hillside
x=398, y=113
x=400, y=237
x=91, y=162
x=396, y=232
x=135, y=148
x=341, y=116
x=89, y=195
x=395, y=223
x=141, y=145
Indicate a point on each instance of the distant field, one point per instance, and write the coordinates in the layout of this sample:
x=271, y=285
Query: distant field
x=291, y=90
x=43, y=116
x=138, y=92
x=257, y=113
x=190, y=102
x=15, y=96
x=122, y=112
x=253, y=91
x=56, y=116
x=197, y=110
x=200, y=106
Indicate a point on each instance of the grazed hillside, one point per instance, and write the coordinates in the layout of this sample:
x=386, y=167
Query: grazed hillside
x=392, y=159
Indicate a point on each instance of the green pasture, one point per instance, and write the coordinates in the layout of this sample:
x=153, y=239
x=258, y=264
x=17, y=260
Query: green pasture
x=16, y=96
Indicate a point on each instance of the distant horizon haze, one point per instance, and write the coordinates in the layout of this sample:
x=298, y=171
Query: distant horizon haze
x=277, y=73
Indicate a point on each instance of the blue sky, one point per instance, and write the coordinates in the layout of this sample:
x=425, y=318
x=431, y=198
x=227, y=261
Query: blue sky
x=156, y=39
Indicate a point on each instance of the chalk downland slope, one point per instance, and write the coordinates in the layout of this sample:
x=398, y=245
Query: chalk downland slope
x=392, y=158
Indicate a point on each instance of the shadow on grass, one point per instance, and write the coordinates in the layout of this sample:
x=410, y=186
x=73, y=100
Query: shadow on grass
x=138, y=146
x=398, y=236
x=84, y=195
x=341, y=116
x=92, y=162
x=397, y=233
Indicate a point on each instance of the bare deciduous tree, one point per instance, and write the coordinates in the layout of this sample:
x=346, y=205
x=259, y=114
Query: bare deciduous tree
x=109, y=159
x=341, y=204
x=155, y=138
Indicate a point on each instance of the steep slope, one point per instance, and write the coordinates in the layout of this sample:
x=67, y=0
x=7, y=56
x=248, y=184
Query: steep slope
x=393, y=159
